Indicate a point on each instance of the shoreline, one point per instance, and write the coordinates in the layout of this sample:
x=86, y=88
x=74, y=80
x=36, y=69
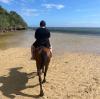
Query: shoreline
x=1, y=33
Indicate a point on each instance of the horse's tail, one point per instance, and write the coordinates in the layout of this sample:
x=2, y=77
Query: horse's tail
x=43, y=59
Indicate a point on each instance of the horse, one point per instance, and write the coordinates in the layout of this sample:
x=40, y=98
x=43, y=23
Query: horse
x=42, y=56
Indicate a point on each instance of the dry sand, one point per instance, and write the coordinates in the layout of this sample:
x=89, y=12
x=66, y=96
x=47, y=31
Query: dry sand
x=70, y=76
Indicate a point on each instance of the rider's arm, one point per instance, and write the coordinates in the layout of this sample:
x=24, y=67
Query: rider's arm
x=36, y=34
x=48, y=34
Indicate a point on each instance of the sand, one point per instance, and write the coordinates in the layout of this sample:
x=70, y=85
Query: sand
x=70, y=76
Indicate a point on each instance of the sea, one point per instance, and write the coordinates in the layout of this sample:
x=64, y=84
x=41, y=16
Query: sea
x=63, y=39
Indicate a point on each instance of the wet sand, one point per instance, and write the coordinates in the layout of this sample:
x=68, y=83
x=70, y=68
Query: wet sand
x=72, y=75
x=61, y=42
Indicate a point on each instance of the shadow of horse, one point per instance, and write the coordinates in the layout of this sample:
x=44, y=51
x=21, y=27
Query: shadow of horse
x=15, y=83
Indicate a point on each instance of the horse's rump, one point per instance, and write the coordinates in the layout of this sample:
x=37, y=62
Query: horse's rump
x=42, y=56
x=42, y=50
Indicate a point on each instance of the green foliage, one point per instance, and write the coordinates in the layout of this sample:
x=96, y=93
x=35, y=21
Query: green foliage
x=11, y=20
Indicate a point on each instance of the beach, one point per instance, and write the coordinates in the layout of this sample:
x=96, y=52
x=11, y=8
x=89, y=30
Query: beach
x=72, y=74
x=73, y=28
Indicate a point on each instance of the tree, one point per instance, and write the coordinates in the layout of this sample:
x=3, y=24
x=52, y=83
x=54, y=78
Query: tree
x=11, y=20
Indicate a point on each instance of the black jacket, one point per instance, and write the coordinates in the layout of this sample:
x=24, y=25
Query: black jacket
x=42, y=36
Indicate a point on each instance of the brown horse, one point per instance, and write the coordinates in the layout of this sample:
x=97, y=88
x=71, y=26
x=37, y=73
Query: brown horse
x=42, y=57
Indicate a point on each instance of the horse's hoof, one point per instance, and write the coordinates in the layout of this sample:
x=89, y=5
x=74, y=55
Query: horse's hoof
x=44, y=81
x=41, y=94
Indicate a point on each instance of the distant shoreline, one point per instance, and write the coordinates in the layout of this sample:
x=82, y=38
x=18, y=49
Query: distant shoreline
x=74, y=30
x=4, y=32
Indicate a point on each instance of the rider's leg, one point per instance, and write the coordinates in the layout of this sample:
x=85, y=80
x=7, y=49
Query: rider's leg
x=33, y=52
x=51, y=50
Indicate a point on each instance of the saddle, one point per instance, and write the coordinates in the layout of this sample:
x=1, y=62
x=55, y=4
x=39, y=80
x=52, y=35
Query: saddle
x=37, y=51
x=42, y=48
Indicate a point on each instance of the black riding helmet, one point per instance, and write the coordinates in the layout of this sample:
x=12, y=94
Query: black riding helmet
x=42, y=23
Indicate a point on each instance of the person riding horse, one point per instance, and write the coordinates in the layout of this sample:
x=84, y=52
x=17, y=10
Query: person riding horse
x=42, y=35
x=42, y=52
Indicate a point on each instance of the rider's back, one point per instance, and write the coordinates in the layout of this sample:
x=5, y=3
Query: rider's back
x=42, y=34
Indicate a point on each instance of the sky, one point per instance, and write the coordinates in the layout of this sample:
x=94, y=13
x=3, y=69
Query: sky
x=57, y=13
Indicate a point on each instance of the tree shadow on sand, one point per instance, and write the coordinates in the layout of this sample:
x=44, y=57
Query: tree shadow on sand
x=15, y=83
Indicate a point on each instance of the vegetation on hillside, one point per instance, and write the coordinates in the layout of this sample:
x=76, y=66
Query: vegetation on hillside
x=11, y=21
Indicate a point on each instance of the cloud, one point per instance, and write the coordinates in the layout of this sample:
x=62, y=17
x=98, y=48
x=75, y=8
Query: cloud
x=5, y=1
x=50, y=6
x=29, y=12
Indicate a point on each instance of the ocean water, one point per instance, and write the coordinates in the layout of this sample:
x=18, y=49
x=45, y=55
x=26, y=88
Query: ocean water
x=75, y=43
x=76, y=30
x=63, y=40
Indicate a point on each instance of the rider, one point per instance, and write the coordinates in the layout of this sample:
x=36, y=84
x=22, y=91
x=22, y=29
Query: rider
x=42, y=35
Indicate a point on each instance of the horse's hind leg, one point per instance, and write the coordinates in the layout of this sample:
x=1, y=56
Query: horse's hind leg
x=45, y=72
x=40, y=82
x=43, y=69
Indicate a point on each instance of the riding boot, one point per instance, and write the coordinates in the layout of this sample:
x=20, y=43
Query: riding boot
x=33, y=52
x=51, y=51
